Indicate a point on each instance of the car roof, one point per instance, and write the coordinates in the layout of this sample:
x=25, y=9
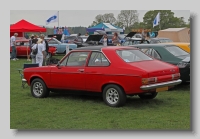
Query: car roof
x=99, y=48
x=152, y=45
x=159, y=38
x=22, y=40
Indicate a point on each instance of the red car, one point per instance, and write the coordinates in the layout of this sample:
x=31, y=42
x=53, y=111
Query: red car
x=22, y=46
x=114, y=71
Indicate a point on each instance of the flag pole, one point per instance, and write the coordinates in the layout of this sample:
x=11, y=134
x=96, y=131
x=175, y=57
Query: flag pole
x=58, y=18
x=159, y=22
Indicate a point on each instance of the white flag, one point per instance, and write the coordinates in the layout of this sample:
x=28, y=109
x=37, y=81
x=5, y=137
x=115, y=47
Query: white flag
x=53, y=18
x=156, y=20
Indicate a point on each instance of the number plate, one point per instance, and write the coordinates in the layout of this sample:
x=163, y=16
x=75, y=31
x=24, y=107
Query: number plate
x=161, y=89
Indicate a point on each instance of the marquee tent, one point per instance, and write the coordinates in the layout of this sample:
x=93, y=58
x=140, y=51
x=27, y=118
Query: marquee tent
x=25, y=26
x=175, y=34
x=106, y=27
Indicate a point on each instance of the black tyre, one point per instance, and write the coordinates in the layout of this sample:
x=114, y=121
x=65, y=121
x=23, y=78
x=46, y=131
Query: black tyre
x=148, y=95
x=39, y=89
x=114, y=96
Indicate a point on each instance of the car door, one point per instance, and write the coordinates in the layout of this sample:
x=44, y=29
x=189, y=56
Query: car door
x=70, y=74
x=96, y=70
x=21, y=49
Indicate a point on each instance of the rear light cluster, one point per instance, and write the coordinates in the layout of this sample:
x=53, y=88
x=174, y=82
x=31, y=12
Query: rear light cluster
x=149, y=80
x=175, y=76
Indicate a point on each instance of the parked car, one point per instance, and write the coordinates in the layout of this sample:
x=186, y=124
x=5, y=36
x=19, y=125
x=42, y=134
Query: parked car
x=121, y=37
x=22, y=46
x=133, y=41
x=183, y=45
x=84, y=38
x=171, y=54
x=93, y=40
x=61, y=47
x=159, y=40
x=113, y=71
x=74, y=39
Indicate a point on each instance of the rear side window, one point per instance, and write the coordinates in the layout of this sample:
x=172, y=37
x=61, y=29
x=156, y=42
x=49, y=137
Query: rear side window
x=98, y=59
x=133, y=55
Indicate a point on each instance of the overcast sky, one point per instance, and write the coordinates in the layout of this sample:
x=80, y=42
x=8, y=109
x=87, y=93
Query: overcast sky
x=72, y=18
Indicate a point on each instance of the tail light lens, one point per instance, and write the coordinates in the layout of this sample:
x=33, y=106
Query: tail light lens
x=176, y=76
x=149, y=80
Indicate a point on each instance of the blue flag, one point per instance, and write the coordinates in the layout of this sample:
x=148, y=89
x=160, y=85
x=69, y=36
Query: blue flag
x=53, y=18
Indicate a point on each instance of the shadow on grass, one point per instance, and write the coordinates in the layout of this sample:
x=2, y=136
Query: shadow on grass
x=131, y=102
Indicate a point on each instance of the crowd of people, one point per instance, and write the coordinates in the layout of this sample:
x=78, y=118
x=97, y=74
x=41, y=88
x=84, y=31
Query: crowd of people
x=37, y=43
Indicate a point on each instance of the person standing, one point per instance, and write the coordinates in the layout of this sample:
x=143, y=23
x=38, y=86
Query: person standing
x=105, y=40
x=115, y=39
x=30, y=46
x=13, y=45
x=34, y=41
x=143, y=35
x=46, y=48
x=40, y=53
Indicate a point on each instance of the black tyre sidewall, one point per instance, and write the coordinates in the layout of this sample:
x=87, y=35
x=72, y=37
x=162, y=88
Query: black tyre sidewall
x=122, y=96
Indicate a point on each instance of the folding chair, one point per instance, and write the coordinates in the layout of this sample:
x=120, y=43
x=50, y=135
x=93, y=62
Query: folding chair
x=26, y=65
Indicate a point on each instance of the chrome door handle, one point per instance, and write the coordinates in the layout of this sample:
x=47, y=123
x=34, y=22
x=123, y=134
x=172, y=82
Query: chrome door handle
x=81, y=70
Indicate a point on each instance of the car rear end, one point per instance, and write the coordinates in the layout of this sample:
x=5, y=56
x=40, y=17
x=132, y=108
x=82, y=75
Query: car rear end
x=160, y=76
x=52, y=50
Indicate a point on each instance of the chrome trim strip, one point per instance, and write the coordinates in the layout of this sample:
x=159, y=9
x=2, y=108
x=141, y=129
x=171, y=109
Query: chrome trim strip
x=158, y=85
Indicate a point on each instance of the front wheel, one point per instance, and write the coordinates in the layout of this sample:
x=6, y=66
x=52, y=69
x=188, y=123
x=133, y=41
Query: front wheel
x=148, y=95
x=114, y=96
x=39, y=89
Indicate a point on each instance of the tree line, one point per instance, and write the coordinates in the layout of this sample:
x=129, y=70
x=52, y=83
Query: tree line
x=128, y=19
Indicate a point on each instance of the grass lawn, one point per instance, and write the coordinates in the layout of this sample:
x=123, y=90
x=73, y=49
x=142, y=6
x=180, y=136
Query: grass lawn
x=170, y=110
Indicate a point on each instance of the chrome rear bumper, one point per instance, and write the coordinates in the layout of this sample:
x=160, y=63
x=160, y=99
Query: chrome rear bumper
x=159, y=85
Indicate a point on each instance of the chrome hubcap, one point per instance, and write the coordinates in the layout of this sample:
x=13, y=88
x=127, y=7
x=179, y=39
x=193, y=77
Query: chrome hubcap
x=37, y=89
x=112, y=96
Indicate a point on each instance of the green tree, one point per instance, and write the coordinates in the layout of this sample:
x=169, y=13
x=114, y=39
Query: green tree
x=167, y=20
x=127, y=18
x=106, y=18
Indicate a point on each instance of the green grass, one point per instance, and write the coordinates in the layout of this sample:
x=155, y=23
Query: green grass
x=170, y=110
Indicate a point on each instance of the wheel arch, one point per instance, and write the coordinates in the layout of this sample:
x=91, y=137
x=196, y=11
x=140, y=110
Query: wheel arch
x=104, y=85
x=34, y=77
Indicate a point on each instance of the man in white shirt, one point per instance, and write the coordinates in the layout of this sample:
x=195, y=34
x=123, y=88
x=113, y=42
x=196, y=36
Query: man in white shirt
x=40, y=53
x=13, y=45
x=45, y=48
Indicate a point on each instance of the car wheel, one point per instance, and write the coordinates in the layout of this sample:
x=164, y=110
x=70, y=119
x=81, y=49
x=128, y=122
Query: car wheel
x=114, y=96
x=148, y=95
x=10, y=55
x=39, y=89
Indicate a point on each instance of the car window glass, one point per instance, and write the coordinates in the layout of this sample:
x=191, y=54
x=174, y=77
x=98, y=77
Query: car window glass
x=148, y=52
x=132, y=55
x=52, y=42
x=176, y=51
x=126, y=43
x=144, y=50
x=77, y=59
x=155, y=54
x=98, y=59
